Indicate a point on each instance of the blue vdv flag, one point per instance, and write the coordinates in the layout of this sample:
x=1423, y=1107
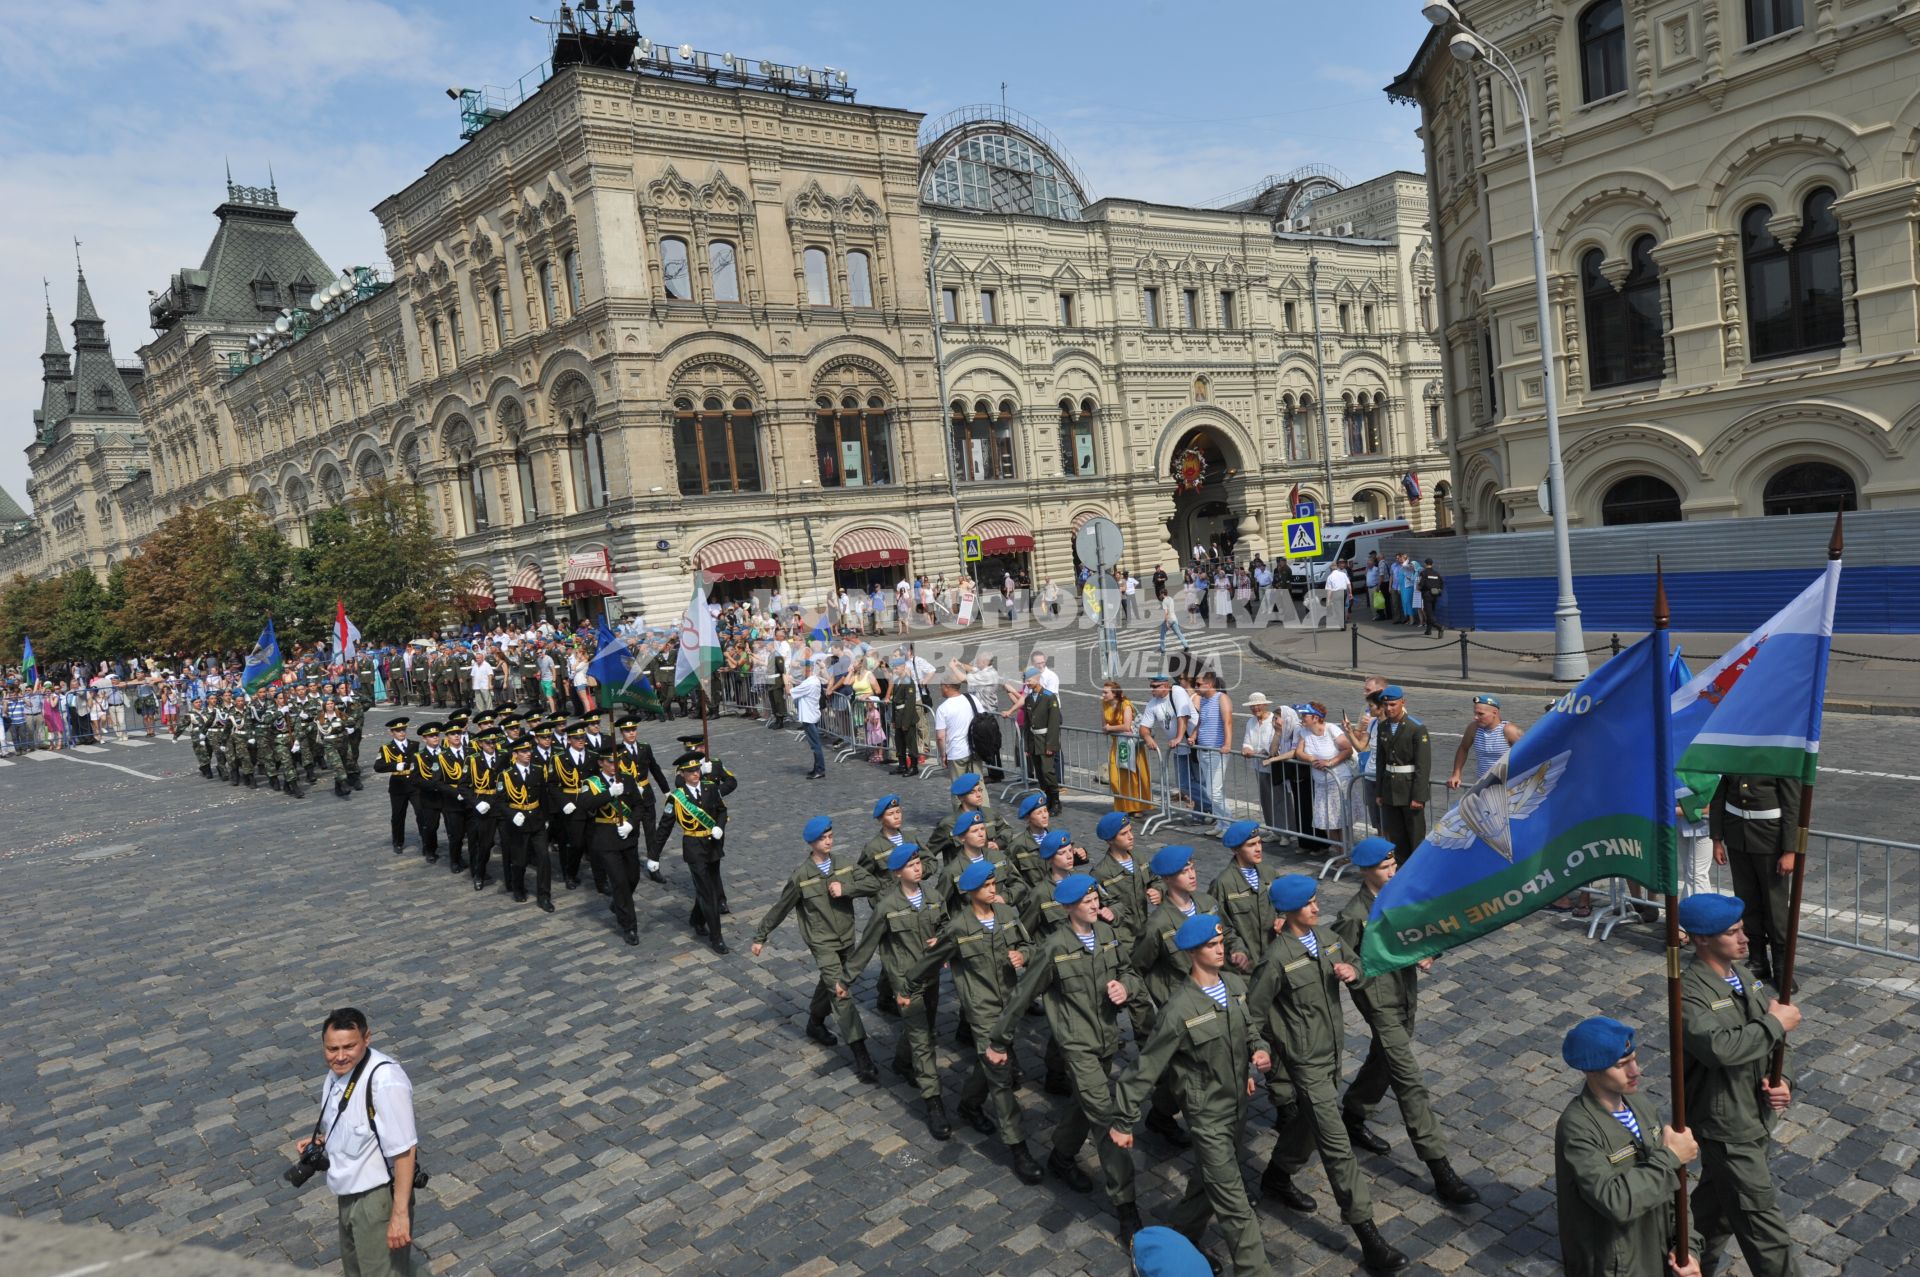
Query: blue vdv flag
x=29, y=667
x=1587, y=793
x=614, y=667
x=263, y=663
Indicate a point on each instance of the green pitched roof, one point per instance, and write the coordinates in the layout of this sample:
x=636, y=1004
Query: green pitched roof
x=10, y=511
x=97, y=389
x=257, y=243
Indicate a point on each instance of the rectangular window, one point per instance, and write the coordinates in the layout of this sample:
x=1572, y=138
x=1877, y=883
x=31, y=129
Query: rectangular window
x=500, y=333
x=819, y=281
x=989, y=306
x=1150, y=307
x=439, y=353
x=1290, y=315
x=453, y=331
x=549, y=300
x=1189, y=308
x=724, y=265
x=676, y=273
x=949, y=305
x=853, y=448
x=477, y=498
x=1346, y=316
x=1768, y=18
x=1366, y=317
x=1227, y=318
x=1066, y=310
x=529, y=490
x=859, y=279
x=576, y=283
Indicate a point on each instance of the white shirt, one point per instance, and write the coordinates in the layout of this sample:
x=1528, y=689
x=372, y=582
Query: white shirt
x=1133, y=584
x=953, y=717
x=482, y=676
x=983, y=685
x=806, y=700
x=357, y=1162
x=1337, y=580
x=1050, y=680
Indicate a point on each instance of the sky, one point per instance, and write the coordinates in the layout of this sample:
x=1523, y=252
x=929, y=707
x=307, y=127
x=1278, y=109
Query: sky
x=118, y=118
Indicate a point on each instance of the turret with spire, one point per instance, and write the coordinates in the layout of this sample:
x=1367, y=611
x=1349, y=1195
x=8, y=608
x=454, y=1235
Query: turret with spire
x=97, y=388
x=56, y=376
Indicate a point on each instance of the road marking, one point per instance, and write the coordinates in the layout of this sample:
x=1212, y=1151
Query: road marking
x=42, y=755
x=90, y=749
x=5, y=763
x=89, y=762
x=131, y=743
x=1845, y=771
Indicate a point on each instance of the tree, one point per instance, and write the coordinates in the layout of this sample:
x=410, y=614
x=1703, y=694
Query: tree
x=380, y=555
x=27, y=609
x=80, y=627
x=208, y=577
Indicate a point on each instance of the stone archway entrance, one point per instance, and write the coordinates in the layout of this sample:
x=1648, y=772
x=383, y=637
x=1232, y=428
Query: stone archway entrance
x=1209, y=481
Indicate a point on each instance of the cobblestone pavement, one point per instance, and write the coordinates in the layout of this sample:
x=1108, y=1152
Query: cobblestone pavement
x=590, y=1108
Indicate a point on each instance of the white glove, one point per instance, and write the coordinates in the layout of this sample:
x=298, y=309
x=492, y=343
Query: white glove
x=717, y=831
x=623, y=828
x=706, y=767
x=483, y=807
x=653, y=866
x=567, y=810
x=519, y=819
x=617, y=788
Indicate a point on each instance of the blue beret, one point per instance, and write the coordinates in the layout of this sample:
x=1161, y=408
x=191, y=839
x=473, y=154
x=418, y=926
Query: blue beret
x=964, y=821
x=975, y=874
x=1032, y=671
x=885, y=801
x=1028, y=803
x=816, y=828
x=900, y=855
x=1196, y=931
x=1598, y=1042
x=1487, y=699
x=1169, y=861
x=1290, y=891
x=1369, y=852
x=965, y=785
x=1110, y=825
x=1238, y=832
x=1707, y=913
x=1055, y=839
x=1162, y=1252
x=1393, y=692
x=1072, y=888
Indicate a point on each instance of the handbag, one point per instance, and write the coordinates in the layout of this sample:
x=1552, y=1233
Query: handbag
x=1124, y=753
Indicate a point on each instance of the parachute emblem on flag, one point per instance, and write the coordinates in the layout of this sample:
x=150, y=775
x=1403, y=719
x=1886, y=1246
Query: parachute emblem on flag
x=1494, y=803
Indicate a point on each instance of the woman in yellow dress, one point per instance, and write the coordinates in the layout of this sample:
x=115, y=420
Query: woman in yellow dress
x=1126, y=759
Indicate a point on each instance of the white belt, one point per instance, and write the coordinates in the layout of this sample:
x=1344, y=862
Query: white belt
x=1771, y=813
x=1402, y=769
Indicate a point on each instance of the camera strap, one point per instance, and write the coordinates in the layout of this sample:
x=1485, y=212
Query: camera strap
x=353, y=1080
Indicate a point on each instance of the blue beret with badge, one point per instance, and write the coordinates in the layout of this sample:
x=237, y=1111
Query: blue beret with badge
x=816, y=829
x=1030, y=802
x=975, y=875
x=885, y=801
x=1598, y=1042
x=1162, y=1252
x=1290, y=891
x=964, y=821
x=1110, y=825
x=897, y=859
x=1238, y=832
x=1708, y=913
x=1055, y=839
x=965, y=785
x=1200, y=929
x=1071, y=889
x=1393, y=692
x=1369, y=852
x=1169, y=861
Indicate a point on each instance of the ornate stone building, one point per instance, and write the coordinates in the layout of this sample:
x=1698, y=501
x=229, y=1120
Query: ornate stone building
x=1729, y=204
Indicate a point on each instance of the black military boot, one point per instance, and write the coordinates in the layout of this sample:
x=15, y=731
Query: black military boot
x=1375, y=1253
x=293, y=787
x=253, y=780
x=1279, y=1185
x=1070, y=1172
x=235, y=775
x=313, y=773
x=937, y=1124
x=977, y=1117
x=273, y=783
x=1129, y=1216
x=1449, y=1187
x=339, y=787
x=206, y=769
x=1024, y=1167
x=819, y=1032
x=1360, y=1137
x=353, y=780
x=863, y=1065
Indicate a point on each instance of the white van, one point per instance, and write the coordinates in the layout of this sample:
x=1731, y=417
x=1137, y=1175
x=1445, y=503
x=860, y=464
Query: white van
x=1350, y=541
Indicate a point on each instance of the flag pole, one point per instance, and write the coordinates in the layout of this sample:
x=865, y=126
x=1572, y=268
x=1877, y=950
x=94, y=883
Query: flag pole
x=1835, y=544
x=1676, y=1036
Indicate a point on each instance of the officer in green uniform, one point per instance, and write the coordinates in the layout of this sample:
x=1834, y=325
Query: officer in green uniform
x=823, y=892
x=278, y=735
x=776, y=688
x=1402, y=760
x=1733, y=1023
x=1123, y=883
x=662, y=676
x=1387, y=1003
x=905, y=922
x=1040, y=732
x=1615, y=1168
x=1754, y=821
x=1296, y=987
x=249, y=740
x=1208, y=1036
x=987, y=947
x=1240, y=892
x=1081, y=975
x=903, y=705
x=199, y=719
x=332, y=733
x=1023, y=851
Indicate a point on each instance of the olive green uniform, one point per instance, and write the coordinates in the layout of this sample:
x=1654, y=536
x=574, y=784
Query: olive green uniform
x=1023, y=853
x=944, y=847
x=984, y=975
x=826, y=928
x=1243, y=906
x=1071, y=983
x=1299, y=995
x=1730, y=1040
x=198, y=724
x=1757, y=818
x=1387, y=1003
x=1163, y=968
x=1614, y=1192
x=1402, y=761
x=903, y=699
x=900, y=933
x=1209, y=1050
x=1124, y=893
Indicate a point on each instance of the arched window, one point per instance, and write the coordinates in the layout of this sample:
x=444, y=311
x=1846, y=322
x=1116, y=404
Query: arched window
x=549, y=299
x=371, y=471
x=1640, y=498
x=716, y=448
x=983, y=440
x=853, y=441
x=1361, y=422
x=723, y=263
x=1623, y=324
x=1768, y=18
x=1603, y=50
x=1442, y=506
x=819, y=283
x=1810, y=487
x=859, y=279
x=676, y=273
x=576, y=282
x=1296, y=426
x=297, y=498
x=1078, y=422
x=573, y=409
x=1793, y=294
x=500, y=330
x=1367, y=506
x=332, y=486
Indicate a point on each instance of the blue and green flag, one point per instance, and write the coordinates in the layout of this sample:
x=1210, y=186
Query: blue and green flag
x=1587, y=793
x=29, y=667
x=617, y=668
x=263, y=663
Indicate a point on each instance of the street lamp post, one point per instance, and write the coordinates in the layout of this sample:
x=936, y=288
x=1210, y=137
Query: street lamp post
x=1569, y=640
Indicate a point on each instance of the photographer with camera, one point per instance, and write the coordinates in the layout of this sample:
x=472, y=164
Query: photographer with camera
x=373, y=1171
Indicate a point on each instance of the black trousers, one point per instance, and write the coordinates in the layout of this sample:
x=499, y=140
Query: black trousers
x=521, y=845
x=1294, y=783
x=426, y=814
x=398, y=799
x=705, y=918
x=579, y=837
x=610, y=861
x=1046, y=774
x=481, y=832
x=454, y=814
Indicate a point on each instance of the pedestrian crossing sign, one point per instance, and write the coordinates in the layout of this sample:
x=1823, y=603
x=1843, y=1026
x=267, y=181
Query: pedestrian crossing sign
x=1303, y=537
x=970, y=549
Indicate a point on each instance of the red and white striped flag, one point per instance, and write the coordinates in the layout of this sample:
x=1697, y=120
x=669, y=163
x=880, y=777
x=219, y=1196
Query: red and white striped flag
x=346, y=635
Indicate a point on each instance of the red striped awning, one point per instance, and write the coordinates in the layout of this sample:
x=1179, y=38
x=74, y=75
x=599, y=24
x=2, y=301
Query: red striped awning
x=589, y=575
x=738, y=559
x=476, y=593
x=526, y=586
x=1080, y=520
x=869, y=548
x=1001, y=536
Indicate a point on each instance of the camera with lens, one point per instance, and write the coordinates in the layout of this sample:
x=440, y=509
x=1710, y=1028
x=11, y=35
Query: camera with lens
x=311, y=1162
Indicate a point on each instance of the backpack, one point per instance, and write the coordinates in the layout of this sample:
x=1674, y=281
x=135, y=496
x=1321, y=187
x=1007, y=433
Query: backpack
x=983, y=733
